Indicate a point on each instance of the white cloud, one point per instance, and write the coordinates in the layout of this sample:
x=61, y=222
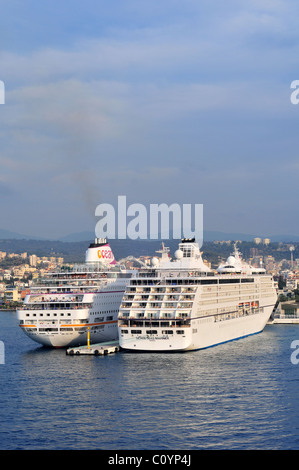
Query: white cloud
x=147, y=109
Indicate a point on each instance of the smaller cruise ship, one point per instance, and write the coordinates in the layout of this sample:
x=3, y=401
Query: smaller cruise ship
x=73, y=303
x=182, y=305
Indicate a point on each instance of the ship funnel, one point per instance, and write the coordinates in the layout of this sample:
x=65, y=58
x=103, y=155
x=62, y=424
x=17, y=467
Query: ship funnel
x=100, y=252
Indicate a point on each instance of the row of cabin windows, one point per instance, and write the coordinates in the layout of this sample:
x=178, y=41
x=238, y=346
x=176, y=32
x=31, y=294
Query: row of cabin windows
x=153, y=332
x=48, y=314
x=110, y=317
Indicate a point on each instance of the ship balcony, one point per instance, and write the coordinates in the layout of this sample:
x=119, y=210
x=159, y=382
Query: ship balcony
x=167, y=315
x=168, y=305
x=133, y=323
x=48, y=300
x=61, y=298
x=128, y=296
x=140, y=297
x=189, y=289
x=155, y=297
x=56, y=306
x=187, y=297
x=183, y=315
x=130, y=289
x=152, y=315
x=173, y=290
x=171, y=298
x=139, y=305
x=123, y=314
x=142, y=290
x=157, y=290
x=184, y=305
x=154, y=304
x=161, y=314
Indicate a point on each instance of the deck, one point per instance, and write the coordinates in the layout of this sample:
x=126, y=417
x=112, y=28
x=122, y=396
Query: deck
x=95, y=349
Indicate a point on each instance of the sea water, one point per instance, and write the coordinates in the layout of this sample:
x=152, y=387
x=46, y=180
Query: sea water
x=239, y=395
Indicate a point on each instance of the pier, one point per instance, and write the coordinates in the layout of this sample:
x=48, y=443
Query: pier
x=99, y=349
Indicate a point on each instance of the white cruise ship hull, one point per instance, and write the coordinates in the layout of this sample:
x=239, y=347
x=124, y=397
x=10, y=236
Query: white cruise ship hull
x=183, y=306
x=60, y=328
x=201, y=334
x=69, y=332
x=68, y=338
x=76, y=303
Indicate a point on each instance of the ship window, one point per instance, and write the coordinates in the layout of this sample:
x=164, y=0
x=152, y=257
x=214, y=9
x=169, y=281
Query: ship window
x=167, y=332
x=136, y=332
x=48, y=329
x=151, y=332
x=228, y=281
x=125, y=332
x=180, y=332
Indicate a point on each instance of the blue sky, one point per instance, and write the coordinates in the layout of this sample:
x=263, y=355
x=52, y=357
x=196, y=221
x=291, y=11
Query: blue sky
x=162, y=101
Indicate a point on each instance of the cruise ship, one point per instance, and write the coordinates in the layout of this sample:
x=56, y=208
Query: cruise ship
x=75, y=303
x=182, y=305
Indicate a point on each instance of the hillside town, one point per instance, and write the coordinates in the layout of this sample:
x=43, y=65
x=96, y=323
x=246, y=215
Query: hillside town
x=19, y=270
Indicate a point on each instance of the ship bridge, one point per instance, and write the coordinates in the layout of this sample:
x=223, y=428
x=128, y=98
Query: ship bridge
x=188, y=257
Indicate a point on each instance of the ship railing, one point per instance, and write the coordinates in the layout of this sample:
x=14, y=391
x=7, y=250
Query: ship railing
x=288, y=316
x=136, y=323
x=75, y=284
x=162, y=317
x=57, y=300
x=233, y=314
x=72, y=290
x=46, y=306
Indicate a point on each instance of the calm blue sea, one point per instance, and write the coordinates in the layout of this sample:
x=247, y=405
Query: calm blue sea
x=240, y=395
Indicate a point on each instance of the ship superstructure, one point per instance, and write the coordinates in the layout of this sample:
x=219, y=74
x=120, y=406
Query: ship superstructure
x=181, y=304
x=69, y=303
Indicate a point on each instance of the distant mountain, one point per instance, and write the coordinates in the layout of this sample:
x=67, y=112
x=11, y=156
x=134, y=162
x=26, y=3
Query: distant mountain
x=78, y=237
x=8, y=235
x=284, y=238
x=209, y=235
x=74, y=251
x=245, y=237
